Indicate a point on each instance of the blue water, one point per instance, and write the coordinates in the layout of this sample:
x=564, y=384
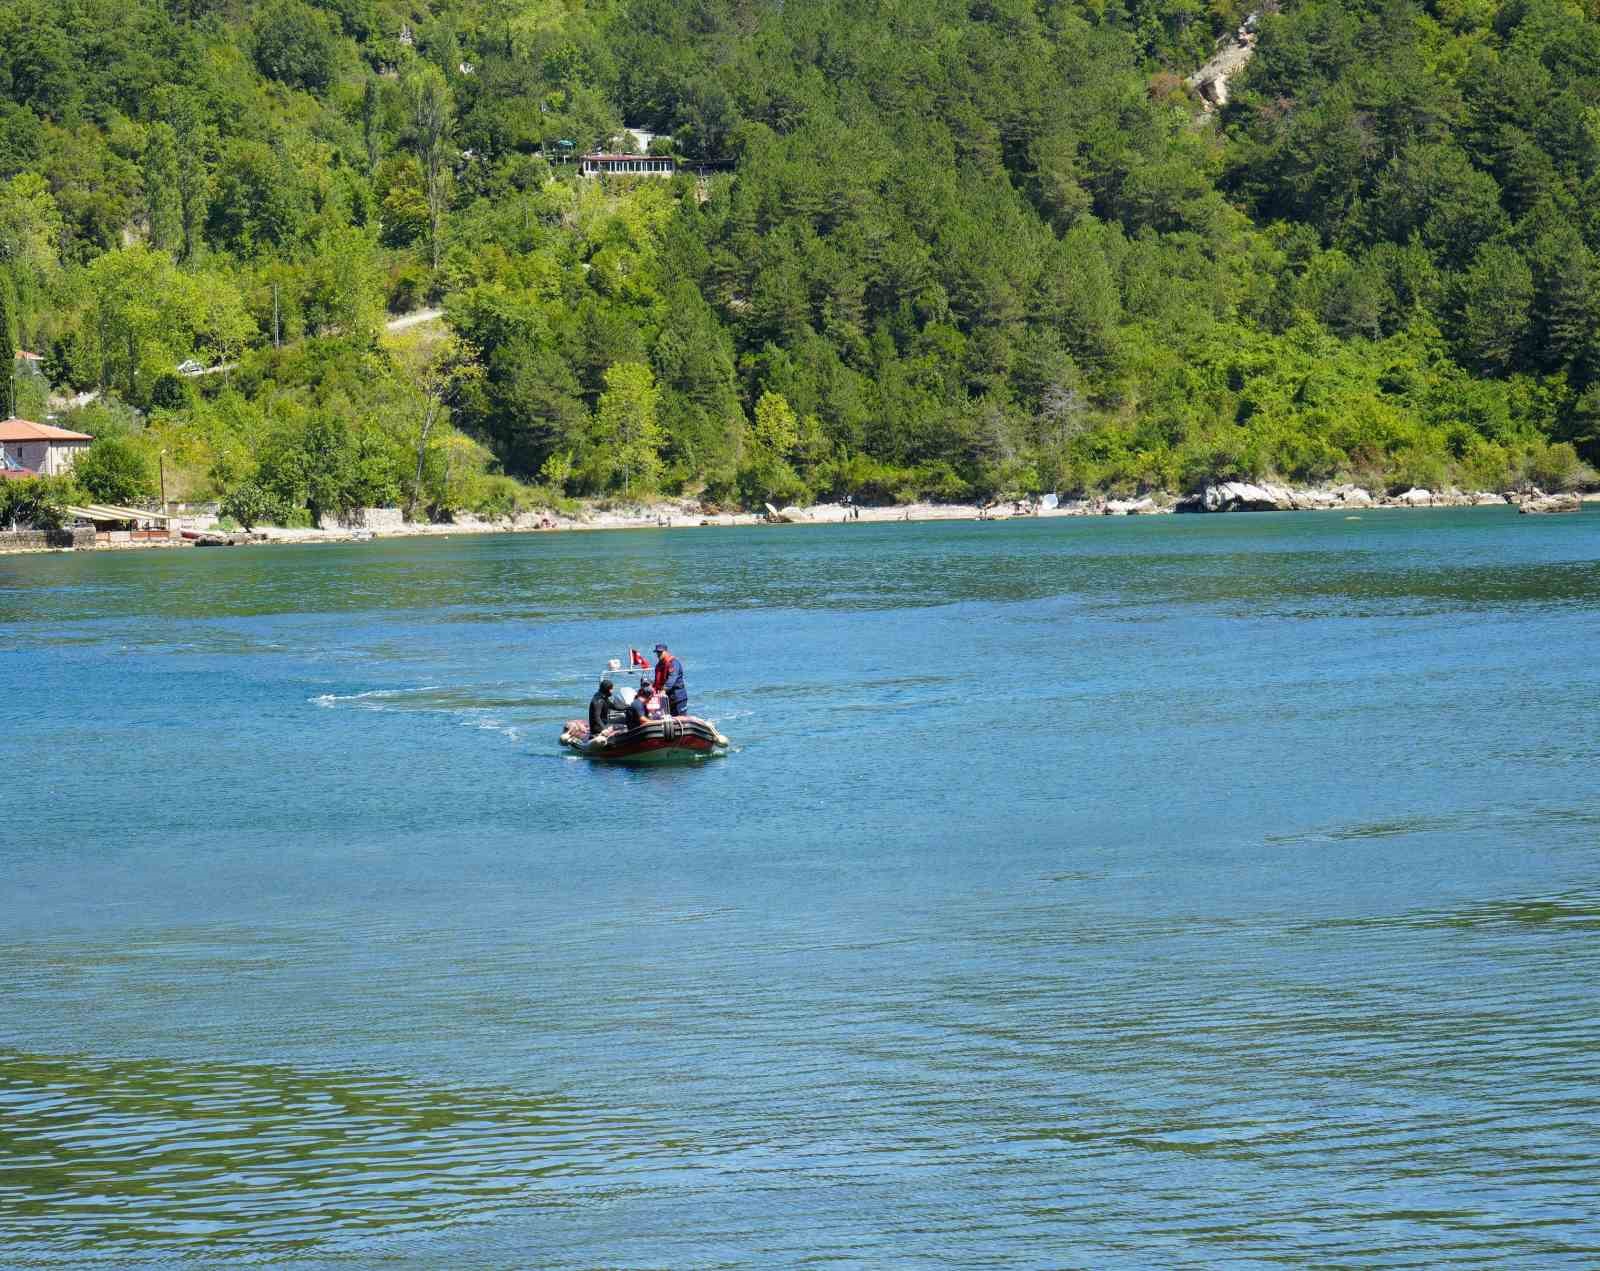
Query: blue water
x=1182, y=892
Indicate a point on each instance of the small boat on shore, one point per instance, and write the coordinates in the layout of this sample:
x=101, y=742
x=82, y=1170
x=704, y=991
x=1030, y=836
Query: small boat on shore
x=677, y=738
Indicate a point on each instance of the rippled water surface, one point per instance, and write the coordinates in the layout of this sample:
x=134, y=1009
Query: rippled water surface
x=1187, y=892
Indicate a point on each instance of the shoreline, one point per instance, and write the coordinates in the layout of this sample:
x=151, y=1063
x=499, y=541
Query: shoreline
x=678, y=514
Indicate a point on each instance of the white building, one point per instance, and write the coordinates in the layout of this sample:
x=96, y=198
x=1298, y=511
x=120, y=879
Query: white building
x=41, y=448
x=626, y=165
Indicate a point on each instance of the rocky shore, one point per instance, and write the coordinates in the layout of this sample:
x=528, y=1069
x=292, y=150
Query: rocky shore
x=1244, y=496
x=366, y=524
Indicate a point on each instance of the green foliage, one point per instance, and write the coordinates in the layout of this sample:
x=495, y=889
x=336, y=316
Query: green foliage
x=115, y=469
x=8, y=346
x=294, y=45
x=36, y=502
x=624, y=443
x=1494, y=300
x=1555, y=467
x=428, y=101
x=919, y=275
x=162, y=192
x=251, y=504
x=143, y=316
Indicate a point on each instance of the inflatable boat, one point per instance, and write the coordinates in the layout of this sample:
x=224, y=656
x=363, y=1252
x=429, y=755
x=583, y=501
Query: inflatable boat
x=676, y=738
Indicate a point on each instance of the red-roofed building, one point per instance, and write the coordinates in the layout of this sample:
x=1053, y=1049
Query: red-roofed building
x=42, y=447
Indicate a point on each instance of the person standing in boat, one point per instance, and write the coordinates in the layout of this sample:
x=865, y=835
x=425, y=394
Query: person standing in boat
x=602, y=708
x=669, y=680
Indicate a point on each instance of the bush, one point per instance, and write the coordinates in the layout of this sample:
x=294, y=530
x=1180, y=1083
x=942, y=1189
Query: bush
x=294, y=46
x=497, y=497
x=36, y=502
x=115, y=470
x=1417, y=467
x=104, y=417
x=408, y=288
x=251, y=504
x=172, y=392
x=876, y=482
x=771, y=481
x=1232, y=458
x=1486, y=466
x=1555, y=467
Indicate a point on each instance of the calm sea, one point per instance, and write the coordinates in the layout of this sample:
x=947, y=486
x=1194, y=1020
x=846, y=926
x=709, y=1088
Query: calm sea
x=1183, y=892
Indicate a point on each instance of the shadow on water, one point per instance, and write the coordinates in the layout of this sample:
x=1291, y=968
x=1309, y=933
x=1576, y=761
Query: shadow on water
x=1575, y=912
x=268, y=1160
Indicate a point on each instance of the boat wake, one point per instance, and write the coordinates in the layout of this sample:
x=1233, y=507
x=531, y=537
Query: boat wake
x=483, y=707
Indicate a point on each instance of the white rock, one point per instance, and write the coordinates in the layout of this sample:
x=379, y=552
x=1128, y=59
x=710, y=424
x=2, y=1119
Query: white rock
x=1315, y=500
x=1131, y=507
x=1244, y=496
x=1416, y=497
x=1552, y=503
x=1483, y=499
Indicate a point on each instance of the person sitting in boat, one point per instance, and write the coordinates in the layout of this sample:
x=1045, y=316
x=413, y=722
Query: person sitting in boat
x=603, y=713
x=669, y=680
x=646, y=705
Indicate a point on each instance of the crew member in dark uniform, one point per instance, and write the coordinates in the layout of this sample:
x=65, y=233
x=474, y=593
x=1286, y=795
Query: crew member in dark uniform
x=602, y=710
x=669, y=680
x=645, y=706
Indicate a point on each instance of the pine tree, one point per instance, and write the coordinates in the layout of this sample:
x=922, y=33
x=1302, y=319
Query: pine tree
x=162, y=193
x=371, y=121
x=430, y=121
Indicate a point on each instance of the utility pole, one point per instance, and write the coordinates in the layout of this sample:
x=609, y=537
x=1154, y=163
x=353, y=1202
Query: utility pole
x=161, y=460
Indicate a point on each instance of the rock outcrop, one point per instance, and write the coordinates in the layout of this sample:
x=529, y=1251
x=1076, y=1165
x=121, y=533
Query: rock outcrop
x=1132, y=507
x=1552, y=503
x=1249, y=496
x=1233, y=54
x=1269, y=496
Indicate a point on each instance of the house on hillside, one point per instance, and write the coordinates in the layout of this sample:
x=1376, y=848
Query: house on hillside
x=43, y=448
x=600, y=164
x=640, y=138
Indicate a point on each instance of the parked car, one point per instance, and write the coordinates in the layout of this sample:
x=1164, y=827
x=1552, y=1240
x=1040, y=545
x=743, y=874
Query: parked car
x=191, y=367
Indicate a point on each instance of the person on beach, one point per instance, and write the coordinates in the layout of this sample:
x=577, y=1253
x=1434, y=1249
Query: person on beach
x=669, y=680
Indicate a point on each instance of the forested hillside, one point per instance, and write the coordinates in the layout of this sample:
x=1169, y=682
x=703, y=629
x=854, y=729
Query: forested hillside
x=941, y=249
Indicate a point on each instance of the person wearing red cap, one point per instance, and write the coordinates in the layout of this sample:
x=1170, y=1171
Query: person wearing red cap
x=669, y=680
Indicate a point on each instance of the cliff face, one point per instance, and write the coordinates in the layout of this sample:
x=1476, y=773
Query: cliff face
x=1232, y=56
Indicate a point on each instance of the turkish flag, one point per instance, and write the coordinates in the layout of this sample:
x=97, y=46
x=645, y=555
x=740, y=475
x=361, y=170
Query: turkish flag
x=635, y=658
